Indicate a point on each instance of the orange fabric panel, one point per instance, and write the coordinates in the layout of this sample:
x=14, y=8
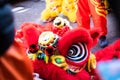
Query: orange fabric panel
x=15, y=65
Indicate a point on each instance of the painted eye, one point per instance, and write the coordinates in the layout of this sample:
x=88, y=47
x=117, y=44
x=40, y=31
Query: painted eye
x=77, y=52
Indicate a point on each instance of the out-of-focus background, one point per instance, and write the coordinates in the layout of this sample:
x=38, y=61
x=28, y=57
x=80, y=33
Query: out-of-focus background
x=30, y=10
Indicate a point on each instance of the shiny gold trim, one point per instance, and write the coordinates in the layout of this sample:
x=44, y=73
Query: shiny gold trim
x=91, y=62
x=46, y=38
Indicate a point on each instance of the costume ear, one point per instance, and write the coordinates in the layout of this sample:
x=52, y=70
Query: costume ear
x=95, y=33
x=31, y=32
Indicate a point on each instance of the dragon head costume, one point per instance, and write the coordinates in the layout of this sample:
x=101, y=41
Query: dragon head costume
x=62, y=53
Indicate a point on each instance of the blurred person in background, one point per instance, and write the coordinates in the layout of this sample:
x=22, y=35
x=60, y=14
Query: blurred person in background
x=14, y=63
x=115, y=6
x=96, y=10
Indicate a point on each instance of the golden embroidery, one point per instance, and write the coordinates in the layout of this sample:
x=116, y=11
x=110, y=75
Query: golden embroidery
x=100, y=10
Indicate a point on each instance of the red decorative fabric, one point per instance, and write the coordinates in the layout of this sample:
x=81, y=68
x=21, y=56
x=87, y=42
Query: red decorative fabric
x=91, y=9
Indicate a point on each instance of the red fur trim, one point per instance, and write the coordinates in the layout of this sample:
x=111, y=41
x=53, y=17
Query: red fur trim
x=19, y=34
x=74, y=36
x=51, y=72
x=109, y=52
x=83, y=75
x=117, y=48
